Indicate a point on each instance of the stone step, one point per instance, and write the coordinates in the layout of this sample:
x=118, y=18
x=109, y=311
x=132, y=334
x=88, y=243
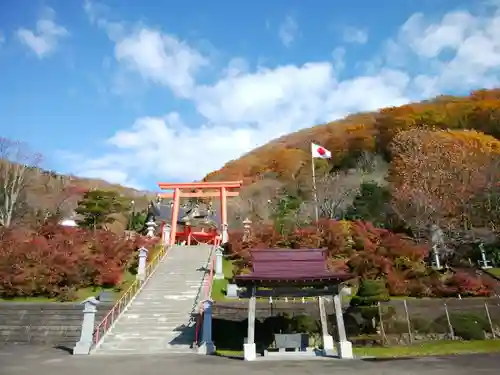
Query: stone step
x=160, y=319
x=172, y=349
x=157, y=309
x=150, y=335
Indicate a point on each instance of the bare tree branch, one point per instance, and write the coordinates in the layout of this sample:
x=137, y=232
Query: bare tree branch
x=15, y=161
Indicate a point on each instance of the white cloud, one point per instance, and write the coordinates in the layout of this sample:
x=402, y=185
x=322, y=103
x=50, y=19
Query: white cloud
x=97, y=14
x=355, y=35
x=246, y=107
x=45, y=38
x=161, y=58
x=288, y=31
x=459, y=51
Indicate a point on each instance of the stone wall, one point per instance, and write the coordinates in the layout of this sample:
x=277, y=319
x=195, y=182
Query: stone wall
x=54, y=324
x=429, y=308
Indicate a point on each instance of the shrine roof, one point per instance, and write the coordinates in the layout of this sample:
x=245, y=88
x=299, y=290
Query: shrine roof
x=304, y=266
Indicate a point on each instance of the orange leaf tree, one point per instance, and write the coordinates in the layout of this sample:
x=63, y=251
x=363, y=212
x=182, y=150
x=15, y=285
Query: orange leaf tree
x=435, y=174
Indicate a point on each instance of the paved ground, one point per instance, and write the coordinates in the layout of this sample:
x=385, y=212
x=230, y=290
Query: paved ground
x=22, y=360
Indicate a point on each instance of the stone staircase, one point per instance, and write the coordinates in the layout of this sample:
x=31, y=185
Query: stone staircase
x=160, y=319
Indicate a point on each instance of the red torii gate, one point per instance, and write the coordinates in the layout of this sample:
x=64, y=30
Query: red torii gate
x=215, y=189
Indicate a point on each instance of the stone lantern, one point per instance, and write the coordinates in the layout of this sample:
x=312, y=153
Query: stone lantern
x=247, y=225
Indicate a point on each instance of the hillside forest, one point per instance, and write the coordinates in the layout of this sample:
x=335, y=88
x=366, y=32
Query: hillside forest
x=396, y=176
x=39, y=257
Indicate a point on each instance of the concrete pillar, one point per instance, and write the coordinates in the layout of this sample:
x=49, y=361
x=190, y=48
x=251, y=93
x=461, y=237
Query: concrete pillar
x=328, y=345
x=249, y=348
x=84, y=345
x=344, y=347
x=207, y=345
x=141, y=269
x=219, y=272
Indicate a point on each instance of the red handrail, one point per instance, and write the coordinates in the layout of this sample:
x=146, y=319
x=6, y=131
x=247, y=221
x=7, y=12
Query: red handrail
x=125, y=299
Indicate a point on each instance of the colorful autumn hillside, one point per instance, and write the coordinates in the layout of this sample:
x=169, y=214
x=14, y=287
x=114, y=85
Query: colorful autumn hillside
x=397, y=177
x=289, y=157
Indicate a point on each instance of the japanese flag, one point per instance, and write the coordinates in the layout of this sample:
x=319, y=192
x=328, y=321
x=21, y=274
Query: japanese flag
x=320, y=152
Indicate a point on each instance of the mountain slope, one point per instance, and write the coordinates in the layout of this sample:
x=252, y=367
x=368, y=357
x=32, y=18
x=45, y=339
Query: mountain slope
x=289, y=156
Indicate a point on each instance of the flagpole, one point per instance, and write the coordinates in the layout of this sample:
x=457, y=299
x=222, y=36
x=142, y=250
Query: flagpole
x=314, y=189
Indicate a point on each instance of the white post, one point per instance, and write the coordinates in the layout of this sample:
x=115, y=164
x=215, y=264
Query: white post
x=141, y=269
x=219, y=272
x=315, y=191
x=225, y=235
x=483, y=257
x=249, y=348
x=166, y=234
x=207, y=345
x=437, y=261
x=344, y=347
x=327, y=338
x=84, y=345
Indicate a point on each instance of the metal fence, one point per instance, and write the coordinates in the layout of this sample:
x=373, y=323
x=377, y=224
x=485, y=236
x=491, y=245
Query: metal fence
x=404, y=322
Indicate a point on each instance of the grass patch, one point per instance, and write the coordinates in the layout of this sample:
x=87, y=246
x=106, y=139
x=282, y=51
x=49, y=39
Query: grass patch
x=424, y=349
x=81, y=294
x=432, y=348
x=494, y=271
x=219, y=286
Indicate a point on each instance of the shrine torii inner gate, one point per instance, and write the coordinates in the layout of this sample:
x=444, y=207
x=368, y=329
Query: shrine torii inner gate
x=214, y=189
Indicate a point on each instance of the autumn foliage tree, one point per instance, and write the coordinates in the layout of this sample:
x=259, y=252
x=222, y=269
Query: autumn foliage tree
x=367, y=252
x=55, y=261
x=435, y=174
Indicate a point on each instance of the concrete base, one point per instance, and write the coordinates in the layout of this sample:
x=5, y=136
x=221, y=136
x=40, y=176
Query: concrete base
x=218, y=276
x=344, y=349
x=82, y=348
x=206, y=348
x=328, y=343
x=284, y=353
x=249, y=352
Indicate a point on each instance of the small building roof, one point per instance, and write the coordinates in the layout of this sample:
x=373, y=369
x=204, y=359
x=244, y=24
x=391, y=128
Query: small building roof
x=163, y=212
x=299, y=266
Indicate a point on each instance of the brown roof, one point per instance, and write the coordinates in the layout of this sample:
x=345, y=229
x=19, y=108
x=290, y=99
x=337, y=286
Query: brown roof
x=290, y=265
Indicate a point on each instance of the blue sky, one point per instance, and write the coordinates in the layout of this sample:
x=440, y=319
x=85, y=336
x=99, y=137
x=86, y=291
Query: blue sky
x=136, y=92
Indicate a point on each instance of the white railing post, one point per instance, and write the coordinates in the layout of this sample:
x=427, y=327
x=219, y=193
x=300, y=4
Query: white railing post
x=141, y=269
x=207, y=345
x=84, y=345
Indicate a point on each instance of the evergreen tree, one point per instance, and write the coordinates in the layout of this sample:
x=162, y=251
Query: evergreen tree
x=371, y=204
x=98, y=206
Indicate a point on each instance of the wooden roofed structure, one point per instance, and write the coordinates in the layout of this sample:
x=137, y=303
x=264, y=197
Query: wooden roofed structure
x=306, y=271
x=301, y=267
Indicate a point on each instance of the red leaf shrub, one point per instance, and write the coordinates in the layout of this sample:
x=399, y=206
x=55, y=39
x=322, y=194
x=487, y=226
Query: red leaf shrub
x=55, y=259
x=367, y=252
